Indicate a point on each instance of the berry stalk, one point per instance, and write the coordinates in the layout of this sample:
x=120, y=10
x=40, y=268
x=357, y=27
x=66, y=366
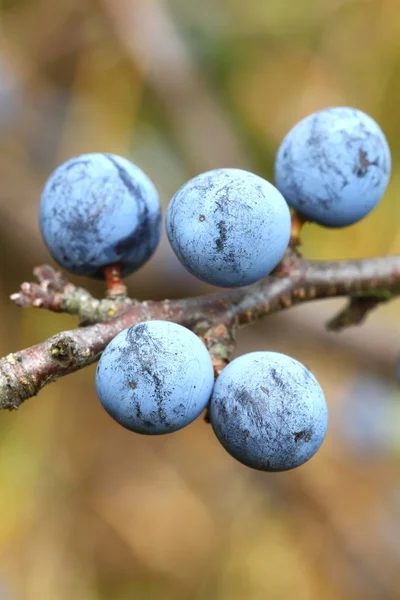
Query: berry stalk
x=114, y=283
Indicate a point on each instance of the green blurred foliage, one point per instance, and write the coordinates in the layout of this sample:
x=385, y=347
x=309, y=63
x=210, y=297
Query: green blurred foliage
x=89, y=511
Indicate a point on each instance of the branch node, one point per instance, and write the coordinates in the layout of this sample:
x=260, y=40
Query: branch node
x=220, y=341
x=63, y=350
x=289, y=265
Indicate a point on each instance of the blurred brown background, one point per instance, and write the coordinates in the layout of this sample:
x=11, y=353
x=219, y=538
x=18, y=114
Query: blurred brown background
x=90, y=511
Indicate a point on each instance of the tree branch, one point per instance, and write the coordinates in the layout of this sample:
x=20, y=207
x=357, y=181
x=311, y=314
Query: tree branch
x=214, y=316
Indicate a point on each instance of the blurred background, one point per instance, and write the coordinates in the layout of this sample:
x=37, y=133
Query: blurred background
x=90, y=511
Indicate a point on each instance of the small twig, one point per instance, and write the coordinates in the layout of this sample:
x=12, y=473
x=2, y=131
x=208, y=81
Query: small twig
x=354, y=313
x=54, y=292
x=49, y=292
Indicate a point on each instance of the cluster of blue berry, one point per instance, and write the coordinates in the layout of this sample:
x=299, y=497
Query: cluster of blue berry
x=230, y=228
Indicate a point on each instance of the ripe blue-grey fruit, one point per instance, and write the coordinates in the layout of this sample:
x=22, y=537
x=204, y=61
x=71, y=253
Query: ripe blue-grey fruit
x=228, y=227
x=98, y=210
x=268, y=411
x=333, y=167
x=155, y=377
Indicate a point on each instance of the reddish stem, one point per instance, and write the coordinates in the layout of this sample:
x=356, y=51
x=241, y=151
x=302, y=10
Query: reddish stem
x=297, y=225
x=114, y=283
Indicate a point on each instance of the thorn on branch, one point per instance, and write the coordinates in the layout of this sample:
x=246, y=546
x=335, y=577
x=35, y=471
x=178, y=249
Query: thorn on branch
x=354, y=312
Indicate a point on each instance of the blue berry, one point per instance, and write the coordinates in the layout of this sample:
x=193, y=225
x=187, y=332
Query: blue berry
x=268, y=411
x=98, y=210
x=228, y=227
x=155, y=377
x=333, y=167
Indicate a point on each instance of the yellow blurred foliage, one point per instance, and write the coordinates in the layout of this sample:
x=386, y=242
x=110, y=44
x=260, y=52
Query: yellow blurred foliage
x=89, y=511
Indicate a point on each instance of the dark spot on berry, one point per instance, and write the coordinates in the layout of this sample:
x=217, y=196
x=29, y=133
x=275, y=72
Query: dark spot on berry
x=362, y=169
x=278, y=380
x=220, y=242
x=302, y=435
